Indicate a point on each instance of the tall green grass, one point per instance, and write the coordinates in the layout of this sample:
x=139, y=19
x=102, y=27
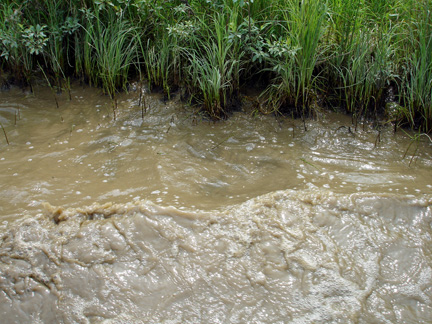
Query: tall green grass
x=112, y=51
x=214, y=66
x=303, y=55
x=363, y=55
x=54, y=52
x=296, y=54
x=159, y=64
x=417, y=81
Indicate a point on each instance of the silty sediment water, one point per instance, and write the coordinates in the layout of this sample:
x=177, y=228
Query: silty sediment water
x=172, y=218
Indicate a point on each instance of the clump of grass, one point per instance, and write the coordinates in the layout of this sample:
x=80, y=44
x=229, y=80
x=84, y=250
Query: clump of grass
x=363, y=56
x=113, y=51
x=350, y=49
x=295, y=56
x=213, y=69
x=158, y=64
x=417, y=84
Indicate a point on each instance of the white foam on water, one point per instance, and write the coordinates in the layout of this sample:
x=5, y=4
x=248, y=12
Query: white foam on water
x=308, y=256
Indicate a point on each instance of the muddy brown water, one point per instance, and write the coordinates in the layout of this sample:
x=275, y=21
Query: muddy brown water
x=164, y=217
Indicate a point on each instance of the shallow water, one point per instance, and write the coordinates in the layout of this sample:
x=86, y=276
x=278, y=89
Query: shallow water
x=167, y=217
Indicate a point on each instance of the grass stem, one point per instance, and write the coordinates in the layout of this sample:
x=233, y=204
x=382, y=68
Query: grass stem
x=4, y=132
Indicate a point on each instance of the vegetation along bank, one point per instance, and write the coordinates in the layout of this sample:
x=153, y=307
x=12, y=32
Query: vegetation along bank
x=368, y=57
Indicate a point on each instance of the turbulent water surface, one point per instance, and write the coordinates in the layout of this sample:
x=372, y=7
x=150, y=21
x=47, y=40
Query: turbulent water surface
x=159, y=216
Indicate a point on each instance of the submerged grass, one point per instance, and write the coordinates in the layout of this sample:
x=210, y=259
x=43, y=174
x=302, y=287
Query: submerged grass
x=354, y=54
x=5, y=135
